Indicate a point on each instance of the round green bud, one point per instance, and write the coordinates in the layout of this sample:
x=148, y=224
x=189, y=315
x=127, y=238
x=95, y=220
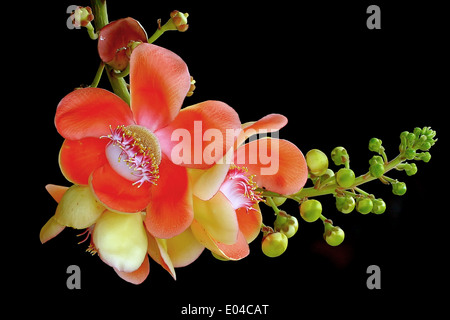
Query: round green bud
x=375, y=145
x=376, y=170
x=364, y=206
x=375, y=160
x=310, y=210
x=424, y=156
x=274, y=244
x=345, y=178
x=379, y=206
x=339, y=156
x=411, y=169
x=334, y=236
x=399, y=188
x=410, y=153
x=286, y=224
x=345, y=204
x=317, y=162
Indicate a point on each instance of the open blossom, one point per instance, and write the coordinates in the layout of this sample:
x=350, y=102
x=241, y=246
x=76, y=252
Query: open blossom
x=226, y=212
x=118, y=158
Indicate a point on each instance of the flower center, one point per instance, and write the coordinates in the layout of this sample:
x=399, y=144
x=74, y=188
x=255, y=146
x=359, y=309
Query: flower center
x=239, y=188
x=134, y=153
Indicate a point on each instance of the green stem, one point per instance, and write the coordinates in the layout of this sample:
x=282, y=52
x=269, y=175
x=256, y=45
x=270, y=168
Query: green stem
x=119, y=85
x=333, y=187
x=158, y=33
x=98, y=75
x=100, y=13
x=273, y=205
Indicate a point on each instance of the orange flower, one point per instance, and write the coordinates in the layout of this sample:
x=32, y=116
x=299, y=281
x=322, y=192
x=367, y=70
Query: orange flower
x=124, y=154
x=226, y=212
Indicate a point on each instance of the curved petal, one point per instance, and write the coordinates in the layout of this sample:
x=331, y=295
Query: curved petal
x=270, y=123
x=159, y=82
x=278, y=165
x=50, y=230
x=201, y=135
x=170, y=208
x=56, y=191
x=117, y=193
x=249, y=222
x=78, y=158
x=116, y=36
x=218, y=218
x=236, y=251
x=89, y=112
x=138, y=276
x=121, y=240
x=157, y=249
x=184, y=248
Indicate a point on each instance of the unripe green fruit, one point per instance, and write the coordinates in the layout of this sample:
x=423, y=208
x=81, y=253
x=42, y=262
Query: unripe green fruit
x=274, y=244
x=310, y=210
x=317, y=162
x=345, y=178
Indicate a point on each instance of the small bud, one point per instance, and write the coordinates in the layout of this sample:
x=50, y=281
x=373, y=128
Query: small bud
x=345, y=204
x=410, y=153
x=339, y=156
x=345, y=178
x=399, y=188
x=411, y=169
x=274, y=244
x=364, y=206
x=317, y=162
x=82, y=16
x=379, y=206
x=334, y=236
x=375, y=145
x=286, y=224
x=424, y=156
x=310, y=210
x=376, y=170
x=178, y=21
x=191, y=88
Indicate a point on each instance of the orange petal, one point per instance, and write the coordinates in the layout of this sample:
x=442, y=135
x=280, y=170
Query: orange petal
x=201, y=135
x=138, y=276
x=218, y=218
x=159, y=82
x=184, y=248
x=270, y=123
x=157, y=249
x=249, y=222
x=89, y=112
x=78, y=158
x=170, y=207
x=236, y=251
x=278, y=164
x=56, y=191
x=118, y=193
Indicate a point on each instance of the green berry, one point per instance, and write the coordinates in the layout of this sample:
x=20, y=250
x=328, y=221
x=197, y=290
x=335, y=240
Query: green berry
x=364, y=206
x=399, y=188
x=274, y=244
x=339, y=156
x=375, y=145
x=345, y=178
x=317, y=162
x=345, y=204
x=379, y=206
x=310, y=210
x=334, y=236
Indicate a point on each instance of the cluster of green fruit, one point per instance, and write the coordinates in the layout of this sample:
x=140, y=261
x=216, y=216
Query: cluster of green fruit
x=344, y=185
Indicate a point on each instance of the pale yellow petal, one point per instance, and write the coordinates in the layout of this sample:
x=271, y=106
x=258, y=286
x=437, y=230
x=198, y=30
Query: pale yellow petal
x=50, y=230
x=184, y=249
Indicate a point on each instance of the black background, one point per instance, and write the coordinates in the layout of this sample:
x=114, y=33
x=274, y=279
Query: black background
x=318, y=64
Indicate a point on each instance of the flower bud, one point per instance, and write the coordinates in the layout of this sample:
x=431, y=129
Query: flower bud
x=178, y=21
x=339, y=156
x=317, y=162
x=310, y=210
x=375, y=145
x=379, y=206
x=364, y=206
x=345, y=178
x=399, y=188
x=286, y=224
x=82, y=16
x=345, y=204
x=274, y=244
x=334, y=236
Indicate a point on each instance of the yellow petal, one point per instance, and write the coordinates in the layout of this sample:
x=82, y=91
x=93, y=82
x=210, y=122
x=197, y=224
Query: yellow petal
x=157, y=249
x=184, y=248
x=121, y=240
x=78, y=208
x=218, y=217
x=50, y=230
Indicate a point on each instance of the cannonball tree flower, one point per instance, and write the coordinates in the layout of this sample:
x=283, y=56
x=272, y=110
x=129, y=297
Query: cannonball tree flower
x=123, y=152
x=115, y=39
x=226, y=212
